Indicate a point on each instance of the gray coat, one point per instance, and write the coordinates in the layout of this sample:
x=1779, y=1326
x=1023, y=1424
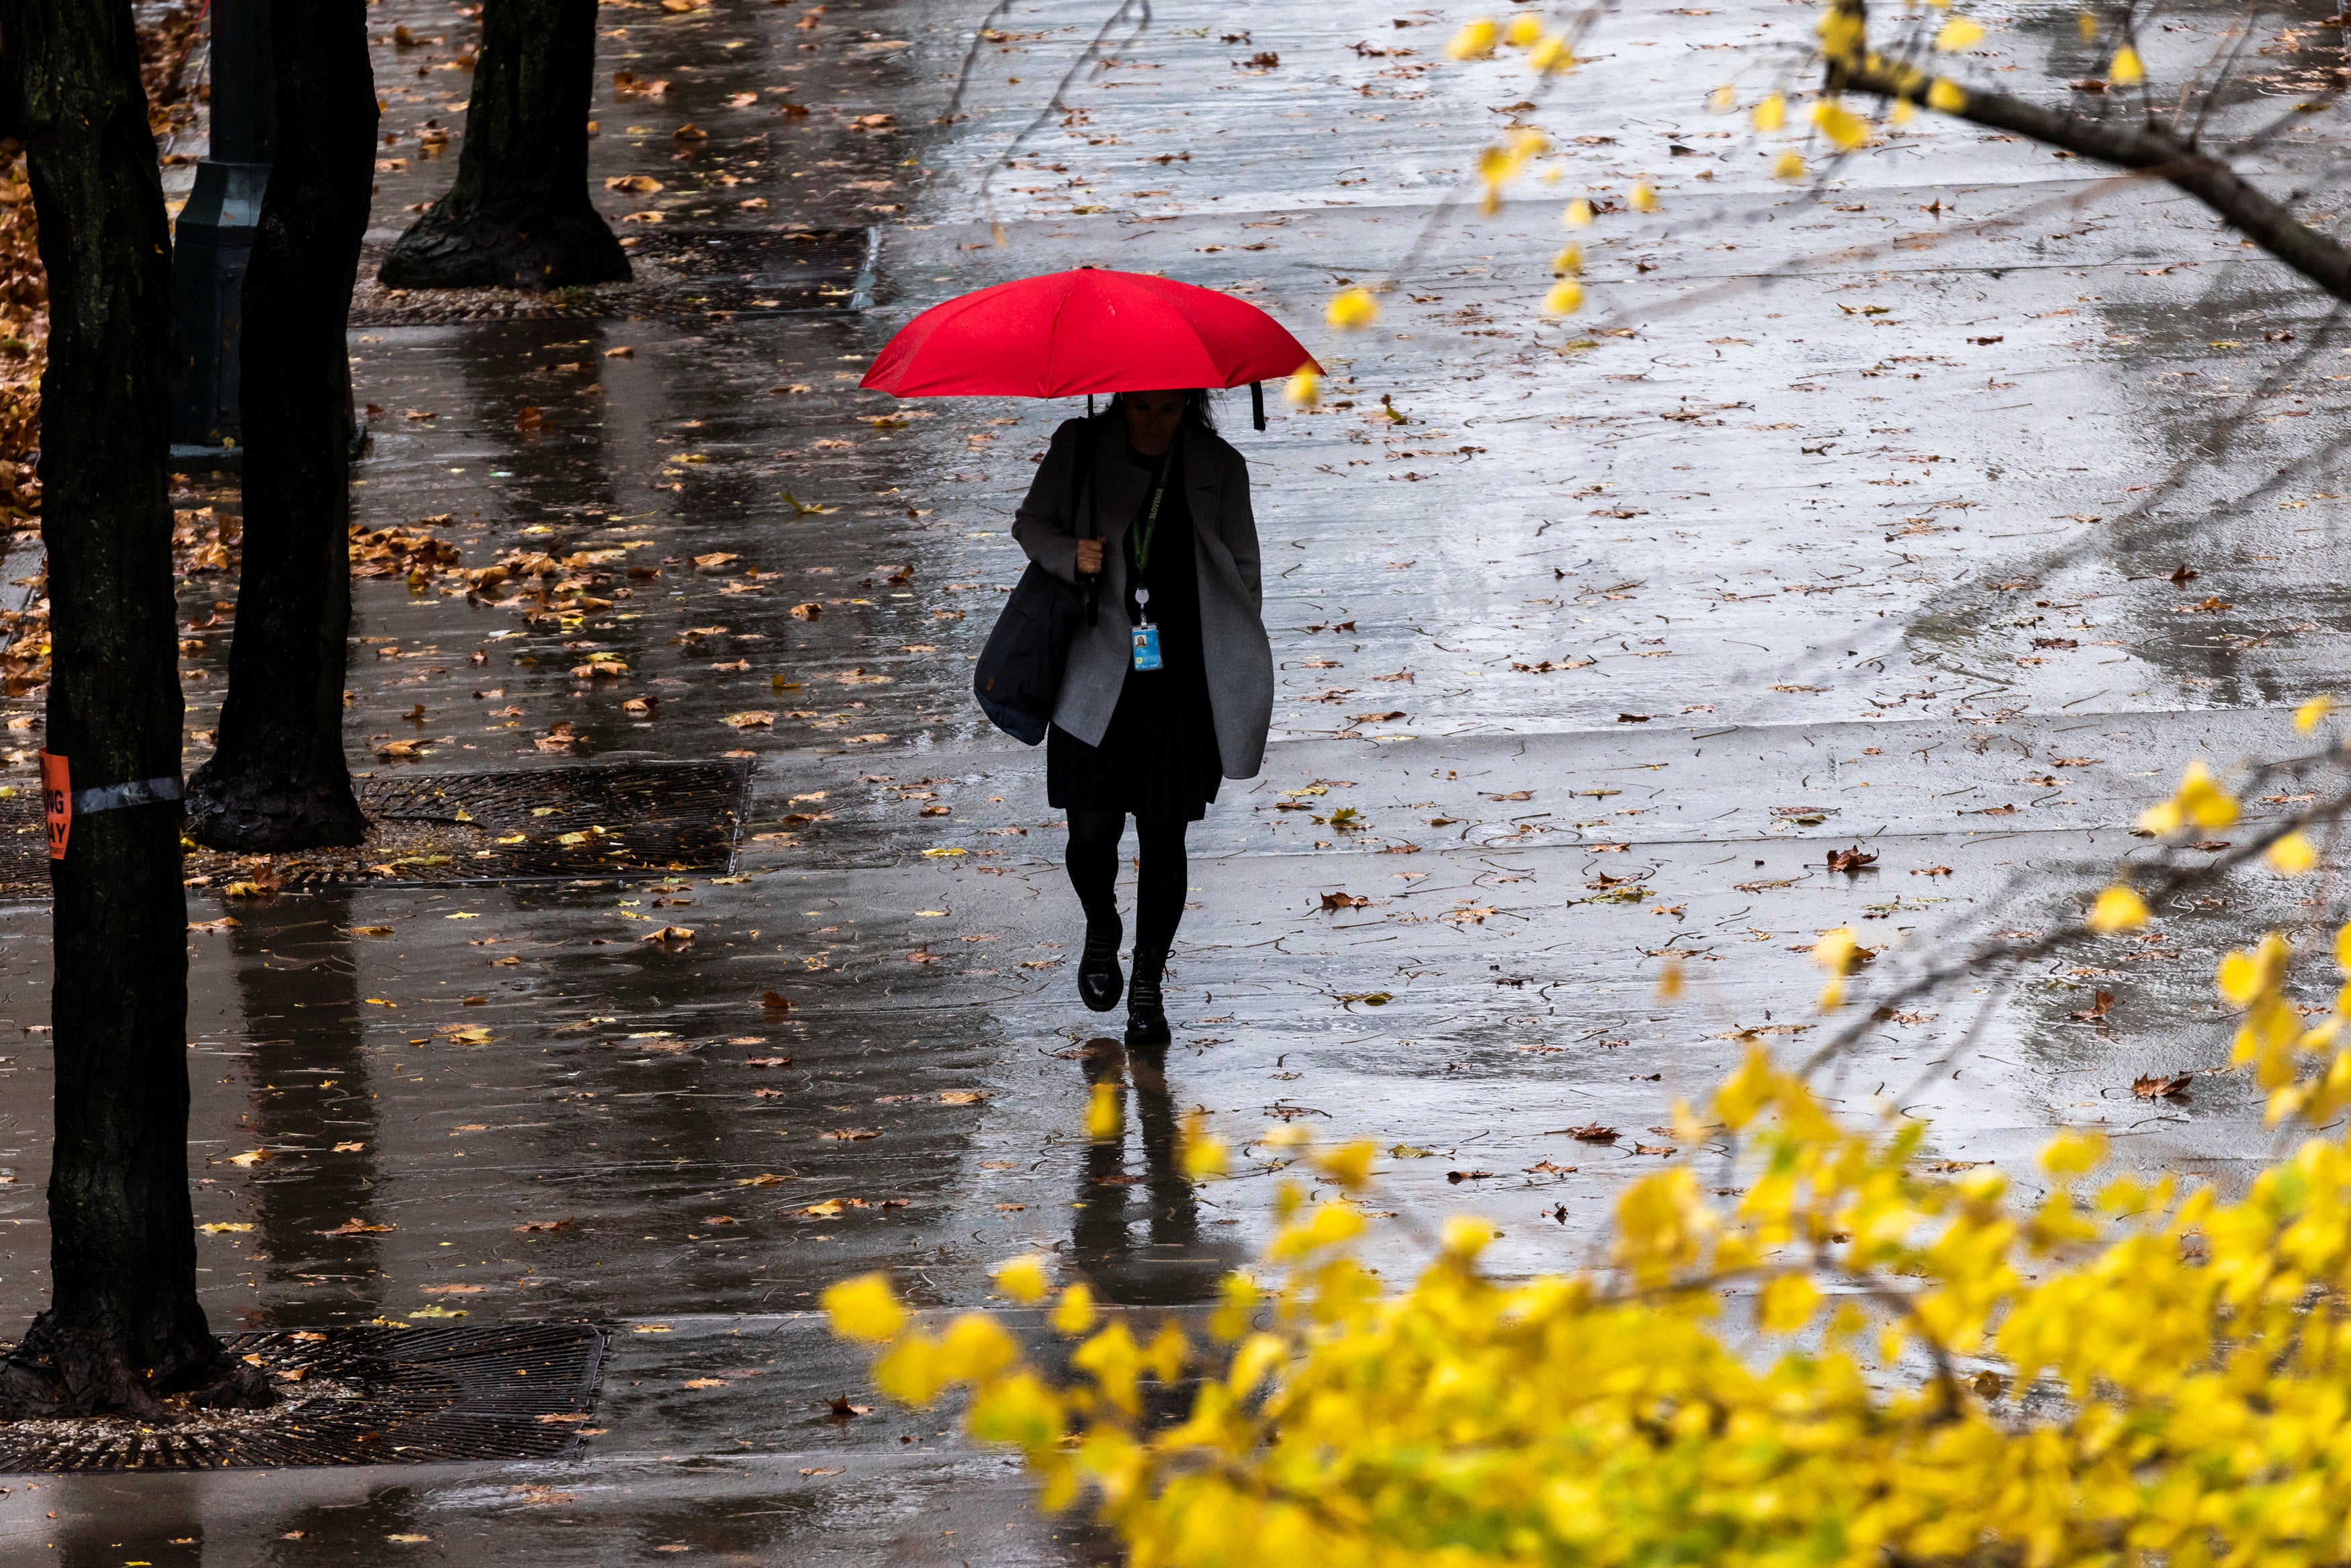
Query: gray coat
x=1239, y=658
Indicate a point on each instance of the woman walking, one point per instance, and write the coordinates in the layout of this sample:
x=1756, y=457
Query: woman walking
x=1170, y=692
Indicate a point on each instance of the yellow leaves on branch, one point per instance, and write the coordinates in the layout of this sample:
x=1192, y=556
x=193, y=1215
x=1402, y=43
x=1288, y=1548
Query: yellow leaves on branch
x=2199, y=802
x=2125, y=69
x=1770, y=115
x=1304, y=388
x=1841, y=125
x=2312, y=713
x=2186, y=1358
x=1564, y=299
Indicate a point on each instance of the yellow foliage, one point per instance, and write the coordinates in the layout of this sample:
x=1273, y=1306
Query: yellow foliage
x=1577, y=214
x=2087, y=26
x=863, y=1308
x=1523, y=30
x=1352, y=308
x=1105, y=1113
x=2124, y=69
x=1788, y=166
x=2118, y=909
x=1644, y=197
x=1841, y=125
x=2188, y=1356
x=1304, y=388
x=1475, y=41
x=1958, y=34
x=1024, y=1280
x=1946, y=97
x=2199, y=802
x=1565, y=298
x=2293, y=855
x=2308, y=717
x=1569, y=263
x=1770, y=114
x=1722, y=100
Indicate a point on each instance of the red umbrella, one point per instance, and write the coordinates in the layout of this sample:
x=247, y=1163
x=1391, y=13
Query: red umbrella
x=1092, y=330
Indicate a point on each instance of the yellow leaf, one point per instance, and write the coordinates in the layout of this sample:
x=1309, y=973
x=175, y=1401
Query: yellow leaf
x=2118, y=909
x=219, y=1230
x=1523, y=30
x=1841, y=125
x=2308, y=717
x=1669, y=981
x=1353, y=309
x=1569, y=263
x=1474, y=41
x=1788, y=166
x=1958, y=34
x=1645, y=197
x=1769, y=114
x=1578, y=213
x=1565, y=298
x=1105, y=1113
x=1788, y=1303
x=1023, y=1279
x=2088, y=25
x=2126, y=68
x=1946, y=97
x=1074, y=1314
x=250, y=1157
x=2293, y=854
x=864, y=1308
x=1722, y=100
x=1304, y=388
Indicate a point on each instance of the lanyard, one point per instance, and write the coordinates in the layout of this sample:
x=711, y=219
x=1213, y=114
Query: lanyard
x=1145, y=530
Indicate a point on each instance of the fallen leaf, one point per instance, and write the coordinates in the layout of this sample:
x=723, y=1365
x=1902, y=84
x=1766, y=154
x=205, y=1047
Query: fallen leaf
x=774, y=1001
x=356, y=1227
x=543, y=1225
x=250, y=1157
x=1592, y=1132
x=767, y=1062
x=1851, y=861
x=1343, y=902
x=222, y=1229
x=2162, y=1088
x=349, y=1148
x=962, y=1097
x=2101, y=1002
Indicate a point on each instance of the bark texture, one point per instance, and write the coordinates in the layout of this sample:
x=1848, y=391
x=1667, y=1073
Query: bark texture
x=520, y=215
x=124, y=1326
x=279, y=780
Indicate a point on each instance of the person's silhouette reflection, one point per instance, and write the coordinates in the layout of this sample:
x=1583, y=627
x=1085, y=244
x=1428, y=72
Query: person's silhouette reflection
x=1171, y=1265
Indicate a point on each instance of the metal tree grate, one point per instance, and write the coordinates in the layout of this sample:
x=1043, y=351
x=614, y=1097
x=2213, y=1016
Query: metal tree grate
x=586, y=819
x=364, y=1395
x=681, y=274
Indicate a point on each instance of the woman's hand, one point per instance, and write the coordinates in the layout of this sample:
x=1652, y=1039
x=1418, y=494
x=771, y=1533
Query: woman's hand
x=1090, y=557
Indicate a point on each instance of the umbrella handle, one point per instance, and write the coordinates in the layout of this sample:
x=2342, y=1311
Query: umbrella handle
x=1091, y=591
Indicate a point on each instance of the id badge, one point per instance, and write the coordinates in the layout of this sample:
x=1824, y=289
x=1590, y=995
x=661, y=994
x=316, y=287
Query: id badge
x=1146, y=648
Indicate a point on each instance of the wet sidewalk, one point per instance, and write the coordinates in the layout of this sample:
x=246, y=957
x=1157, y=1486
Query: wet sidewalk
x=1816, y=533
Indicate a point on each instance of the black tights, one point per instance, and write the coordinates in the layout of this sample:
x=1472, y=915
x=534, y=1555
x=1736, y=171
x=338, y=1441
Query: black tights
x=1093, y=860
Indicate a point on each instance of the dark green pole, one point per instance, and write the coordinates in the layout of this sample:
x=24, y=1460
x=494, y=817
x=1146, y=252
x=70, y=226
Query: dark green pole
x=214, y=234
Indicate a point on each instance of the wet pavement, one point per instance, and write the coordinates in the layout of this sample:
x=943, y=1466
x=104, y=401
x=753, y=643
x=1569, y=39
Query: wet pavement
x=1841, y=518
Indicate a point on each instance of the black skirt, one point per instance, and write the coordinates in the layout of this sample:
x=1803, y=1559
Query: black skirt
x=1158, y=758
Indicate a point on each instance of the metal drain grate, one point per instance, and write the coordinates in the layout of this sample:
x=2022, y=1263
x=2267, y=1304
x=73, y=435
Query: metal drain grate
x=366, y=1395
x=589, y=819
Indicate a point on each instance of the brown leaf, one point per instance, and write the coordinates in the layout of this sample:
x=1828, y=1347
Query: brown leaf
x=768, y=1061
x=544, y=1225
x=2162, y=1088
x=1852, y=861
x=1343, y=902
x=2099, y=1007
x=1592, y=1132
x=356, y=1227
x=774, y=1001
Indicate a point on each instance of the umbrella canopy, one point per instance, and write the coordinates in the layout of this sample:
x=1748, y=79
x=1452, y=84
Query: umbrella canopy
x=1092, y=330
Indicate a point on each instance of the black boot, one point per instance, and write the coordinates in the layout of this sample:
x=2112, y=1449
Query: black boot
x=1146, y=1016
x=1098, y=981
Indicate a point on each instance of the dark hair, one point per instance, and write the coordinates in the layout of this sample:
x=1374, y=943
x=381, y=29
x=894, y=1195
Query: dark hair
x=1196, y=412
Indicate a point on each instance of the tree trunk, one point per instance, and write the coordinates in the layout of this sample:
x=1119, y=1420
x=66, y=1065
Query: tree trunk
x=124, y=1326
x=279, y=780
x=520, y=215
